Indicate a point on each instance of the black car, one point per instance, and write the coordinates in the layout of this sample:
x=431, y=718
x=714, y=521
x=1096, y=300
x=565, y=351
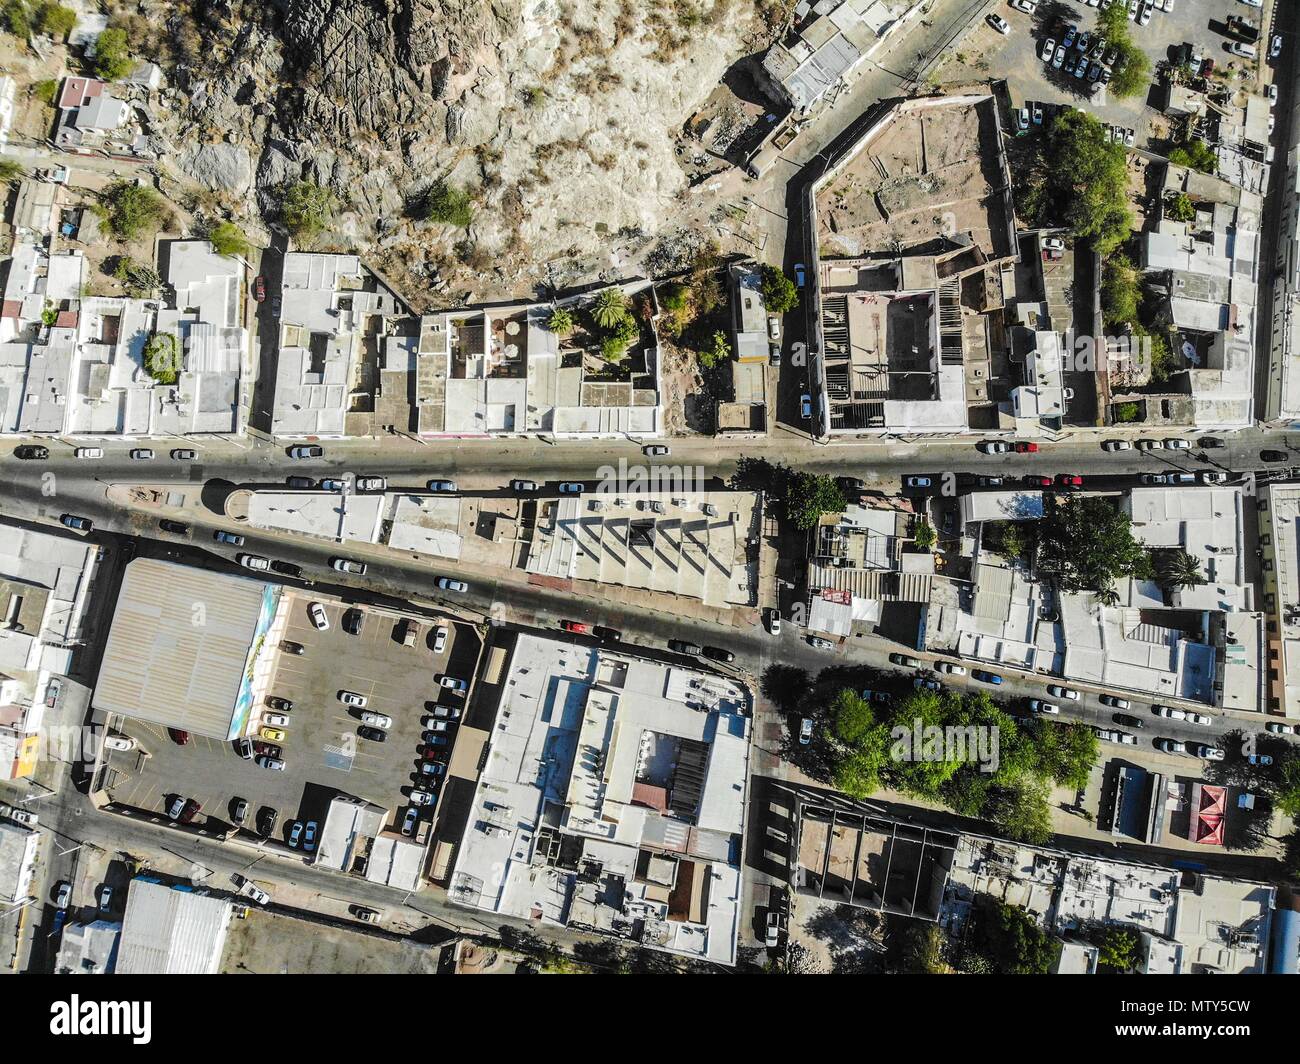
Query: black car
x=1274, y=456
x=718, y=654
x=606, y=635
x=290, y=647
x=286, y=568
x=31, y=450
x=851, y=484
x=178, y=528
x=375, y=735
x=681, y=646
x=352, y=621
x=266, y=818
x=1131, y=721
x=81, y=524
x=1210, y=443
x=300, y=483
x=280, y=705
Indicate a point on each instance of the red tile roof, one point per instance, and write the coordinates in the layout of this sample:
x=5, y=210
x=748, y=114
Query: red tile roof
x=77, y=92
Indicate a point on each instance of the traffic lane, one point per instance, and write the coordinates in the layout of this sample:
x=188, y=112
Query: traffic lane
x=875, y=461
x=398, y=578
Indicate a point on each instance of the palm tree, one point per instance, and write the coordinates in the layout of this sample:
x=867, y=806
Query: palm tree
x=1181, y=569
x=610, y=308
x=1106, y=596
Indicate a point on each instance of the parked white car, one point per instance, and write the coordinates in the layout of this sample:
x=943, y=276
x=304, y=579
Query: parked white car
x=318, y=617
x=377, y=720
x=351, y=698
x=1057, y=691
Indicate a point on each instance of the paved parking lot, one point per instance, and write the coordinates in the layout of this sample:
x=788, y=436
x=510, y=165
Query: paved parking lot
x=321, y=749
x=1017, y=56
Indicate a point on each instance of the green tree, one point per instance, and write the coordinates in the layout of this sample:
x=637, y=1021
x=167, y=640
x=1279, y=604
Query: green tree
x=1120, y=290
x=1196, y=154
x=1066, y=753
x=852, y=718
x=448, y=205
x=45, y=90
x=1011, y=940
x=921, y=949
x=610, y=308
x=1132, y=71
x=162, y=358
x=1287, y=794
x=561, y=321
x=133, y=210
x=307, y=209
x=55, y=20
x=16, y=19
x=1117, y=948
x=1013, y=540
x=1181, y=208
x=808, y=496
x=717, y=352
x=925, y=537
x=1124, y=413
x=228, y=239
x=1022, y=811
x=112, y=59
x=1085, y=181
x=1089, y=543
x=918, y=774
x=779, y=292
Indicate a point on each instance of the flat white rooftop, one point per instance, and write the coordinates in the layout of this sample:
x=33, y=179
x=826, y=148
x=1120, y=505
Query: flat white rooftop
x=636, y=773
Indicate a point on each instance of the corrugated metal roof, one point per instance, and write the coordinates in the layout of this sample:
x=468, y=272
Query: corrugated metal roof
x=168, y=931
x=178, y=646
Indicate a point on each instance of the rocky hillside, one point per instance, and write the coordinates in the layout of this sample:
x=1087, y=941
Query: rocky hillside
x=560, y=120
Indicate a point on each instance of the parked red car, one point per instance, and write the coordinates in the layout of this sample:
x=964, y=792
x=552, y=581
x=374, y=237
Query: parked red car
x=259, y=289
x=1069, y=480
x=180, y=738
x=191, y=810
x=266, y=749
x=1038, y=482
x=575, y=626
x=1025, y=448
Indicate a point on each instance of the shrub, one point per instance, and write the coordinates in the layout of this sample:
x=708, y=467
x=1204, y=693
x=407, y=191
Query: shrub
x=45, y=90
x=112, y=59
x=561, y=321
x=1196, y=154
x=448, y=205
x=1126, y=413
x=307, y=209
x=718, y=351
x=132, y=209
x=55, y=20
x=162, y=358
x=10, y=170
x=1181, y=208
x=228, y=239
x=15, y=18
x=140, y=280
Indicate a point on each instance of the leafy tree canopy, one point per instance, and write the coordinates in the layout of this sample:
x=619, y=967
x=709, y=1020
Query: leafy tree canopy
x=779, y=292
x=1089, y=543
